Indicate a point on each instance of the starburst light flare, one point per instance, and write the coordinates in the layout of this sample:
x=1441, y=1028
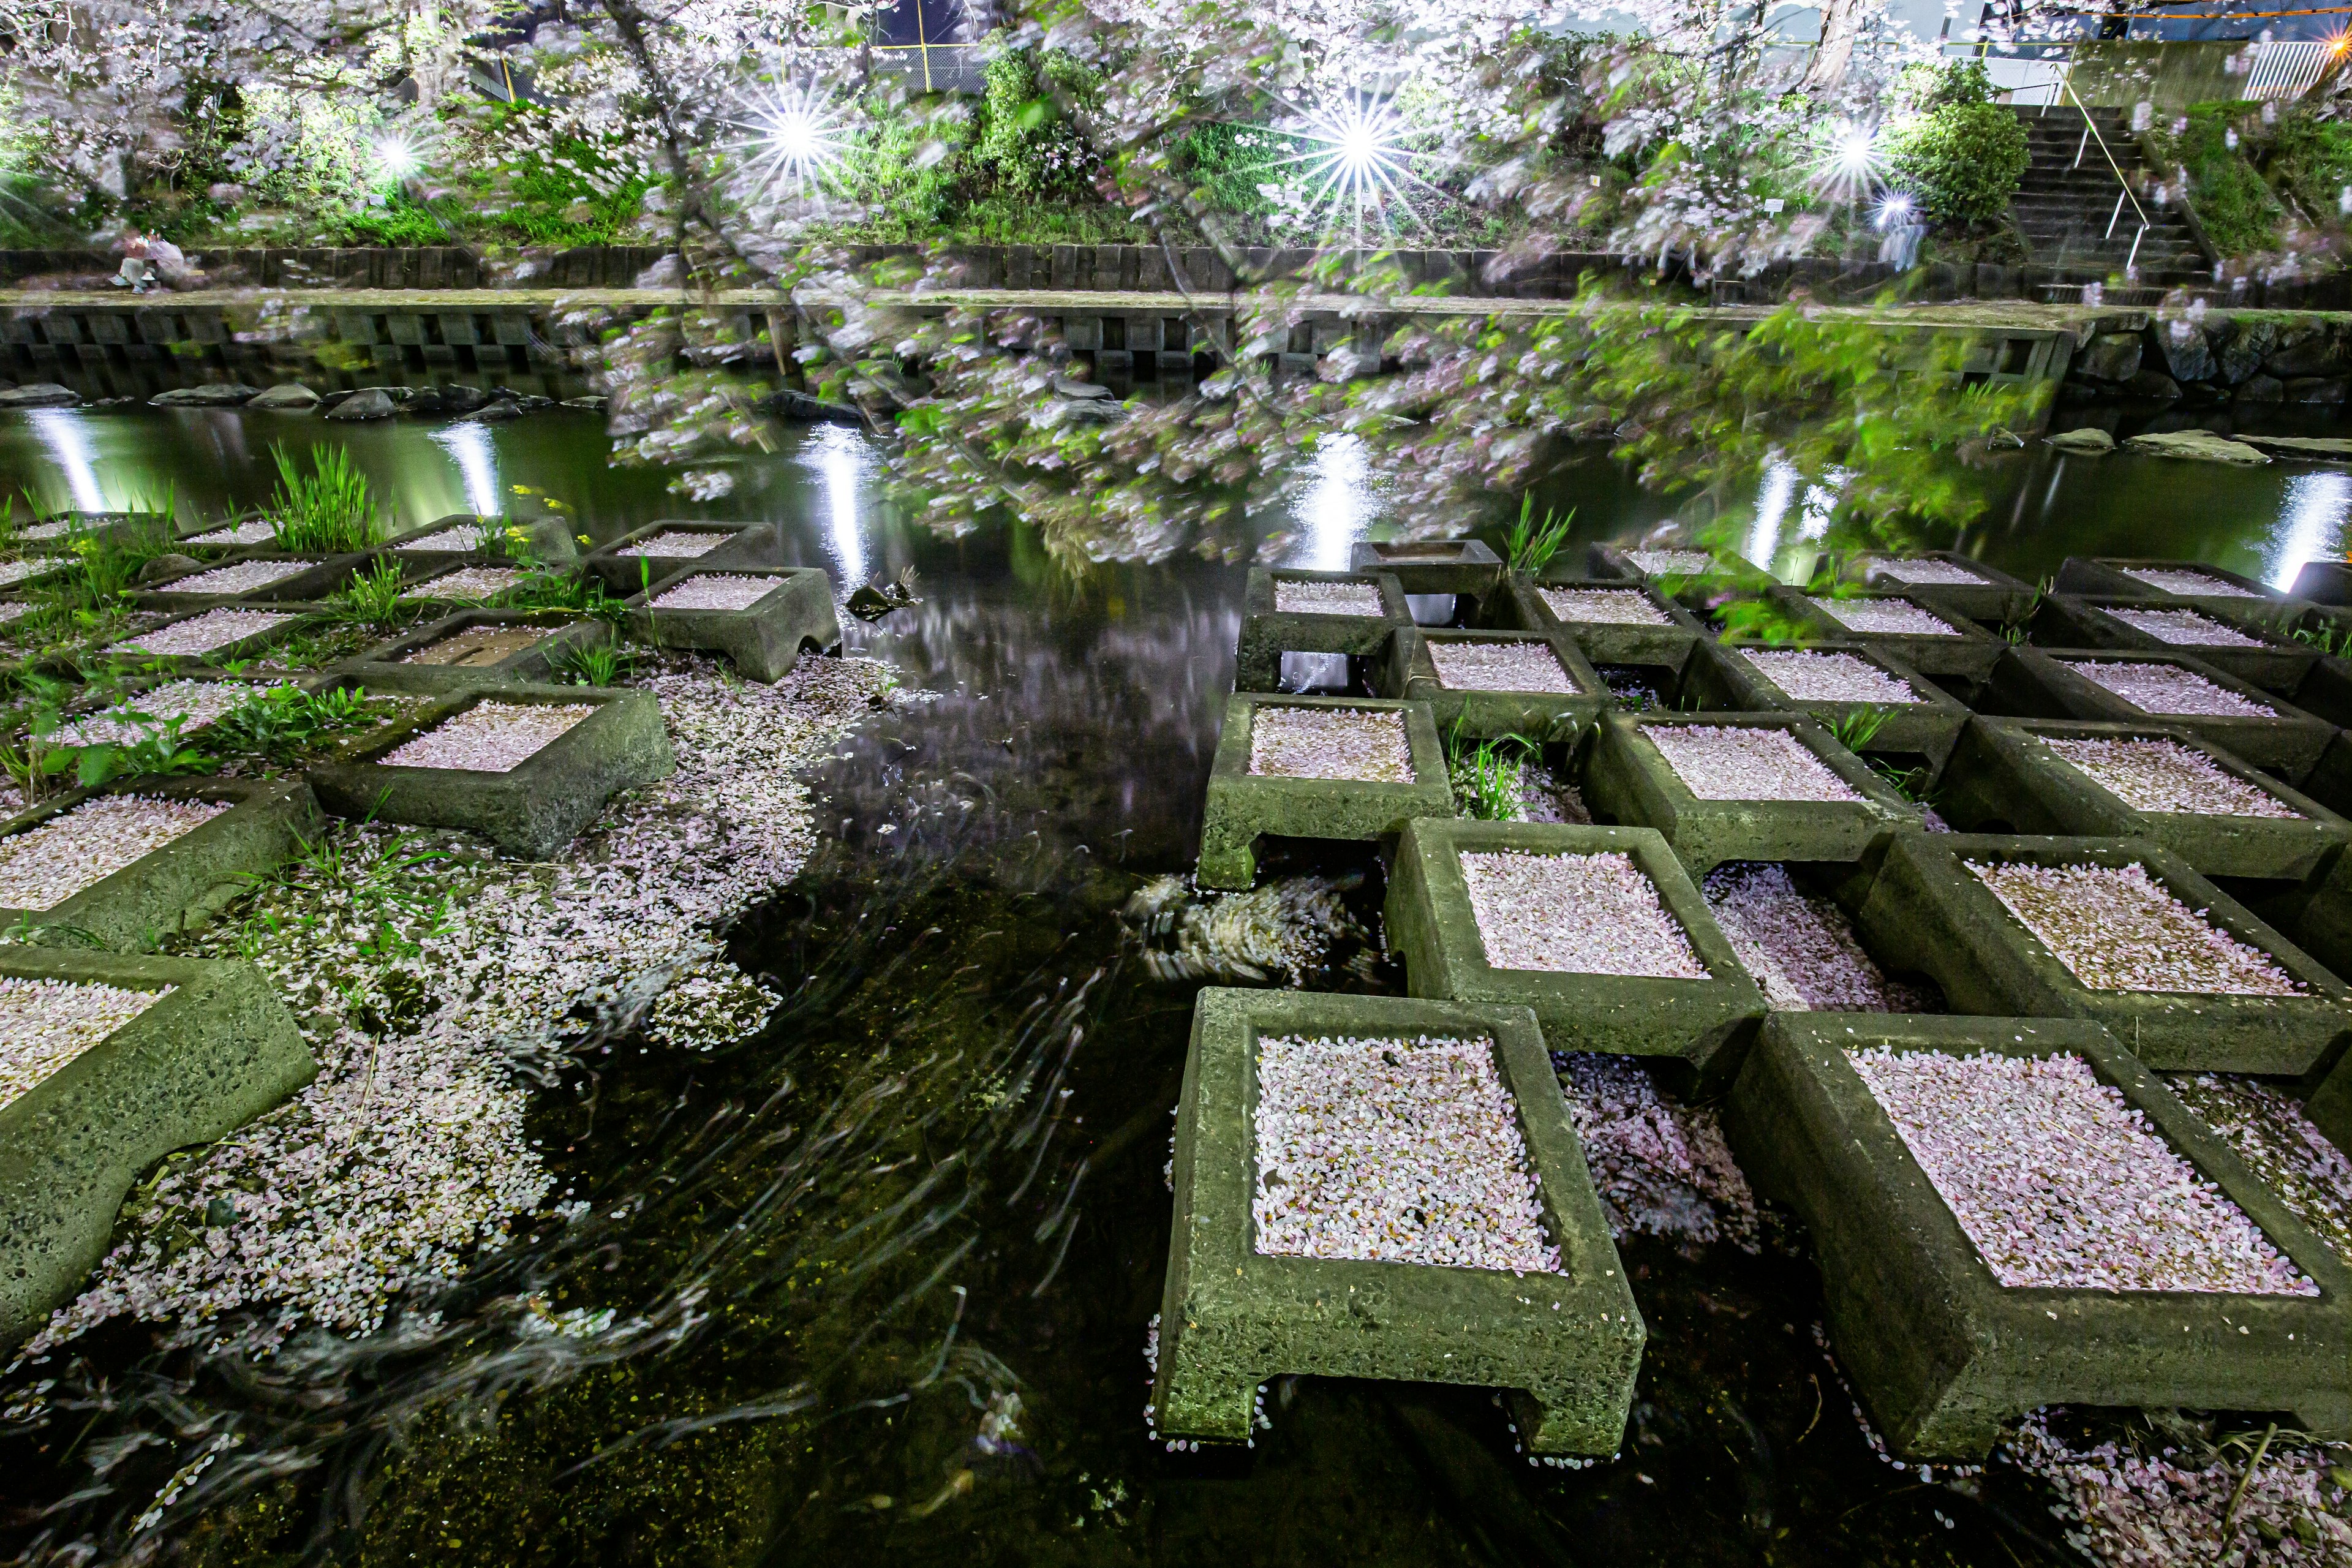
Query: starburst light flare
x=395, y=157
x=1851, y=167
x=796, y=137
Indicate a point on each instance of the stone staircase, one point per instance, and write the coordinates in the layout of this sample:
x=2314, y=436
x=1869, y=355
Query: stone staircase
x=2067, y=200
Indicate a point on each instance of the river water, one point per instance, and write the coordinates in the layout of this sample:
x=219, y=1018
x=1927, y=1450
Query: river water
x=971, y=1388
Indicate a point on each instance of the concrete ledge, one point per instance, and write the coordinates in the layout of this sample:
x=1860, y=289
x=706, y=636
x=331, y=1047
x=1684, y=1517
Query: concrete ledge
x=763, y=641
x=383, y=666
x=1542, y=716
x=1431, y=925
x=1944, y=1354
x=532, y=810
x=1933, y=915
x=1267, y=633
x=2039, y=683
x=2004, y=779
x=165, y=892
x=2277, y=665
x=2000, y=599
x=1928, y=727
x=1241, y=806
x=194, y=1066
x=1566, y=1345
x=1629, y=780
x=1431, y=566
x=1969, y=655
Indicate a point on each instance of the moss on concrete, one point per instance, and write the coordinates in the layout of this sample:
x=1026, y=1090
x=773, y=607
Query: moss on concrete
x=1243, y=806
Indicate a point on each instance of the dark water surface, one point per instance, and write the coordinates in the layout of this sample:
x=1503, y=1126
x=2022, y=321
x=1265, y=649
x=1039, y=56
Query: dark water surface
x=934, y=1185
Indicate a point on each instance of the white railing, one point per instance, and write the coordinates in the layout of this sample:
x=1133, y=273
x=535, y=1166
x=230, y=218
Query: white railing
x=2285, y=70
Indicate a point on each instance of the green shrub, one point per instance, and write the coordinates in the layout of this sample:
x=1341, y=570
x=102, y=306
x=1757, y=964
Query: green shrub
x=2233, y=204
x=2310, y=160
x=1026, y=150
x=1961, y=162
x=1949, y=85
x=1228, y=163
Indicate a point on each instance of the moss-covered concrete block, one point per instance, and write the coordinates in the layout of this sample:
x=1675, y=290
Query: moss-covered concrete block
x=2271, y=662
x=1431, y=923
x=1241, y=806
x=624, y=568
x=1461, y=566
x=1628, y=780
x=501, y=540
x=1965, y=652
x=532, y=809
x=1926, y=726
x=289, y=620
x=2005, y=778
x=1989, y=593
x=1269, y=631
x=1943, y=1354
x=765, y=640
x=1936, y=917
x=476, y=646
x=1412, y=672
x=2048, y=683
x=181, y=884
x=194, y=1067
x=1566, y=1346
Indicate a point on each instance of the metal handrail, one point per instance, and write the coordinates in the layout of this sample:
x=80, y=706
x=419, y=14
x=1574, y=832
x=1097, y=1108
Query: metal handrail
x=2124, y=185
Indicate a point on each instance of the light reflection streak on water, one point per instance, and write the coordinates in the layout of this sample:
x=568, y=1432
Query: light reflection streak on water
x=63, y=433
x=1772, y=500
x=840, y=457
x=477, y=456
x=2310, y=525
x=1338, y=504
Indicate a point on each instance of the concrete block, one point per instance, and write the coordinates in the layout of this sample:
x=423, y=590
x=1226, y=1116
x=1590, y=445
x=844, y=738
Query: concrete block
x=1243, y=806
x=763, y=641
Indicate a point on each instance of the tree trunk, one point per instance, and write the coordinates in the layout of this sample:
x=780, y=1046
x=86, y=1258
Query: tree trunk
x=1841, y=20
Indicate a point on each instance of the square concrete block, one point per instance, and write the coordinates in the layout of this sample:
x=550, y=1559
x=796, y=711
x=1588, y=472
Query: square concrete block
x=1431, y=565
x=625, y=568
x=2005, y=778
x=1674, y=569
x=1566, y=1346
x=1993, y=597
x=194, y=1067
x=496, y=646
x=1432, y=925
x=2275, y=663
x=1480, y=715
x=296, y=618
x=533, y=809
x=1933, y=915
x=765, y=640
x=2048, y=683
x=1944, y=1354
x=1928, y=727
x=185, y=881
x=497, y=540
x=1267, y=633
x=1666, y=641
x=1967, y=653
x=1628, y=780
x=1241, y=806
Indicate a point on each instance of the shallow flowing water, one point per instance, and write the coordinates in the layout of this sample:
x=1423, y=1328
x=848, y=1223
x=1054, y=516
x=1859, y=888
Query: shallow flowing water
x=894, y=1257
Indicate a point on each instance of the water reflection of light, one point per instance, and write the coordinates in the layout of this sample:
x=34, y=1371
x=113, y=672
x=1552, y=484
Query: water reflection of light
x=1336, y=505
x=62, y=433
x=841, y=458
x=477, y=456
x=1772, y=500
x=2310, y=525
